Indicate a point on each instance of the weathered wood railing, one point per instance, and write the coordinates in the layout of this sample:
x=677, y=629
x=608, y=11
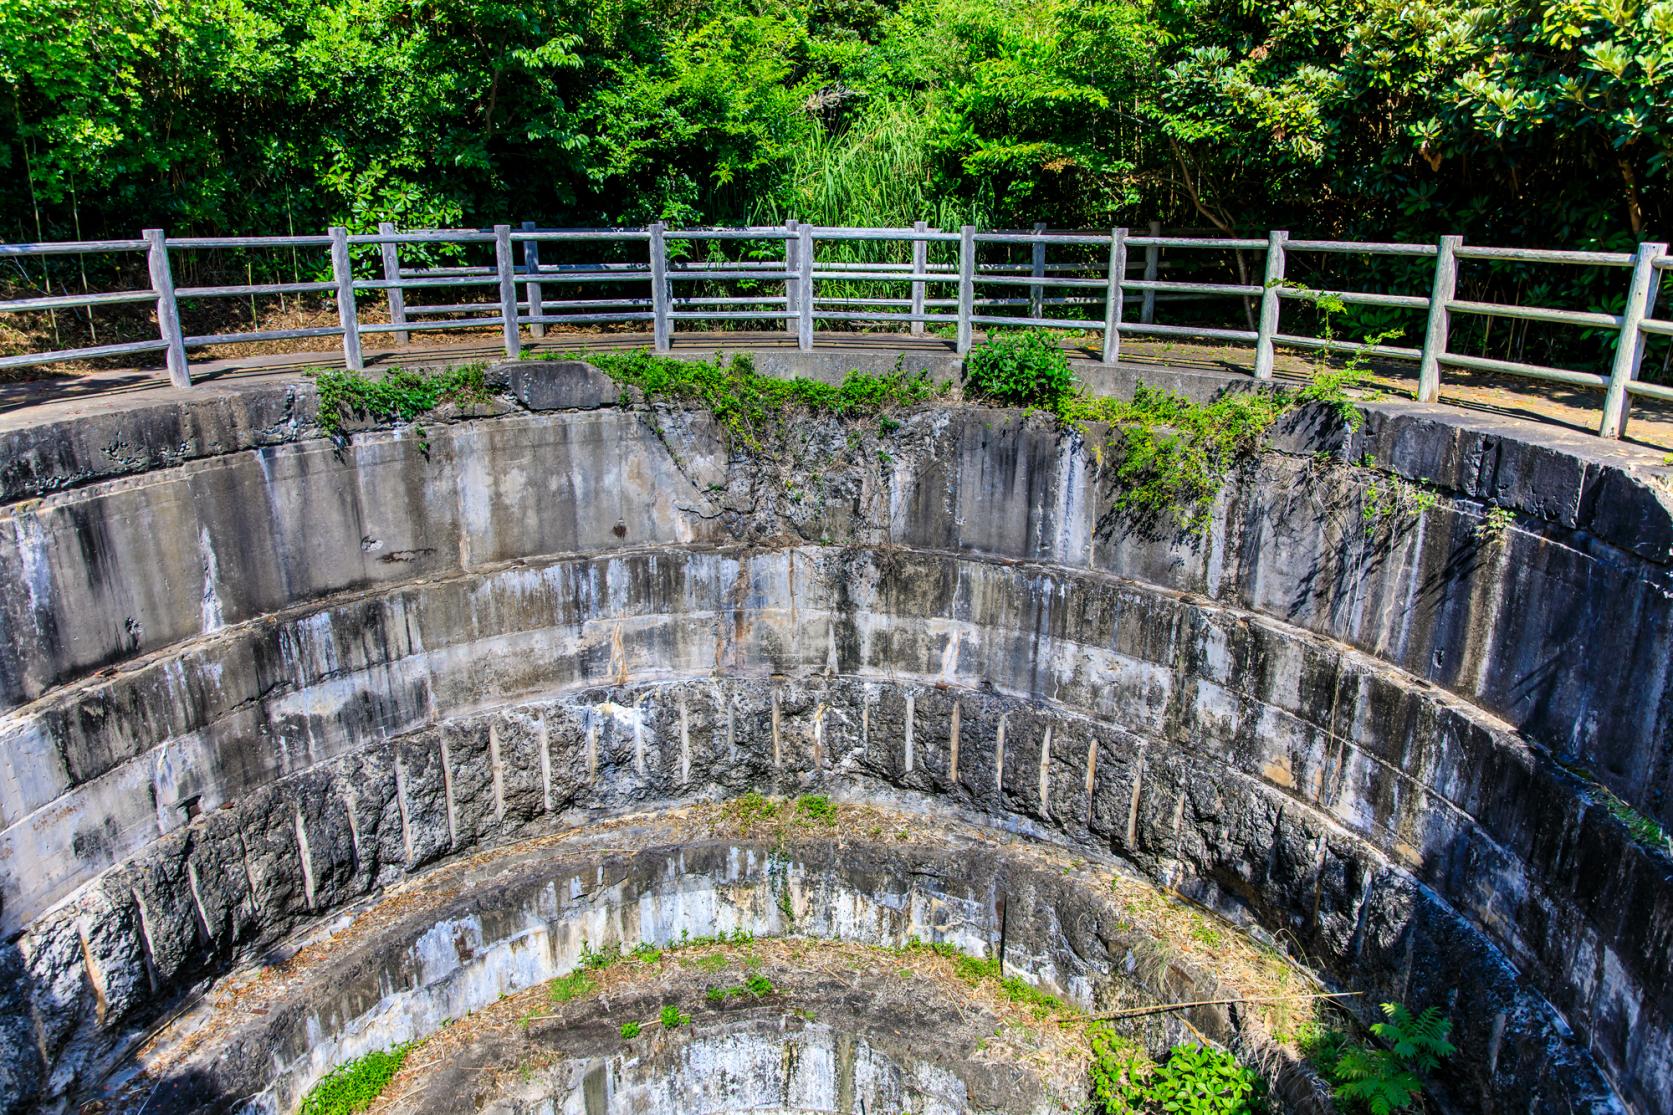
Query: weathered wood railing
x=962, y=295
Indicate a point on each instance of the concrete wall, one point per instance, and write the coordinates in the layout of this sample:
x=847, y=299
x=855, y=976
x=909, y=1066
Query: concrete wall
x=1332, y=733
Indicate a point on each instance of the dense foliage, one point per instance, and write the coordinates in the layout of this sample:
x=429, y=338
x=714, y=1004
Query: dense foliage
x=1380, y=1079
x=1516, y=120
x=354, y=1085
x=1194, y=1080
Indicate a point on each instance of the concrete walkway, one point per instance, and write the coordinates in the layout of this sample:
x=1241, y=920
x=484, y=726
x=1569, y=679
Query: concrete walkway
x=29, y=402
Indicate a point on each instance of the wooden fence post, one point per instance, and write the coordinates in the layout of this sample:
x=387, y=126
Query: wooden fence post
x=392, y=274
x=342, y=273
x=1271, y=305
x=1037, y=292
x=661, y=324
x=966, y=286
x=1440, y=317
x=920, y=265
x=168, y=310
x=1629, y=346
x=804, y=284
x=1152, y=268
x=531, y=272
x=1114, y=297
x=792, y=294
x=506, y=267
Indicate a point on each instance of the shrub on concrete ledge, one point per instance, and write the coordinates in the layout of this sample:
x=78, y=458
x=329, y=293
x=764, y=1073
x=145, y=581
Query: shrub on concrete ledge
x=1019, y=369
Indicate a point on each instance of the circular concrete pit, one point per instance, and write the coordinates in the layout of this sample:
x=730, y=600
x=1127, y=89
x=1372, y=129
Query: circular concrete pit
x=312, y=750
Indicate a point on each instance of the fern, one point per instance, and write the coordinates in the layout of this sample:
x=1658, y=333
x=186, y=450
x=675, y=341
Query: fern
x=1383, y=1081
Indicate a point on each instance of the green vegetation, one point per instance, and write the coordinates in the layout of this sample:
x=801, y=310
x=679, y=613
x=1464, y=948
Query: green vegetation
x=1390, y=498
x=1381, y=1079
x=571, y=986
x=1544, y=122
x=354, y=1085
x=1351, y=115
x=976, y=970
x=1027, y=368
x=756, y=986
x=1194, y=1080
x=630, y=1030
x=672, y=1017
x=1495, y=522
x=748, y=405
x=398, y=395
x=1641, y=828
x=817, y=807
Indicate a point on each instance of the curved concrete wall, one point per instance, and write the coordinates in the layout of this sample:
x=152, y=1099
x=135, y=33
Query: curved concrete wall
x=199, y=653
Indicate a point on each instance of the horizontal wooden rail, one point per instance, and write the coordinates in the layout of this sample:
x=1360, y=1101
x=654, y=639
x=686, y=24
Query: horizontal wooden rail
x=1094, y=269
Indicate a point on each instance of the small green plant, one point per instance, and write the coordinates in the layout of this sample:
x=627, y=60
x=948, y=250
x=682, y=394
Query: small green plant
x=1194, y=1080
x=817, y=807
x=1019, y=369
x=1495, y=521
x=1386, y=1079
x=599, y=959
x=672, y=1017
x=756, y=986
x=1390, y=497
x=354, y=1085
x=646, y=953
x=398, y=395
x=570, y=986
x=748, y=811
x=630, y=1030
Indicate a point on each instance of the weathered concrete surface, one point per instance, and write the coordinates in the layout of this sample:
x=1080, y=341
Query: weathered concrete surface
x=463, y=937
x=190, y=639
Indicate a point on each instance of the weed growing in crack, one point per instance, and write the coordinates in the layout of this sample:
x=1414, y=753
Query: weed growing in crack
x=1495, y=523
x=1394, y=498
x=630, y=1030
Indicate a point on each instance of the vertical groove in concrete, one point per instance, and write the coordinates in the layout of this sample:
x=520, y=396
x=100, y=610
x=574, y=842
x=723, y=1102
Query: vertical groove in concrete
x=148, y=952
x=447, y=793
x=685, y=741
x=350, y=803
x=1091, y=773
x=249, y=872
x=911, y=710
x=1133, y=804
x=1045, y=773
x=999, y=757
x=952, y=745
x=497, y=767
x=401, y=806
x=819, y=737
x=198, y=913
x=778, y=743
x=307, y=857
x=101, y=1005
x=544, y=735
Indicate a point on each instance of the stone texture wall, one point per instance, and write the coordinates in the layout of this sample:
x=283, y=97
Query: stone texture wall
x=238, y=686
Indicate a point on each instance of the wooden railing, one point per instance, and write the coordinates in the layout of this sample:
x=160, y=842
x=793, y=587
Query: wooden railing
x=962, y=295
